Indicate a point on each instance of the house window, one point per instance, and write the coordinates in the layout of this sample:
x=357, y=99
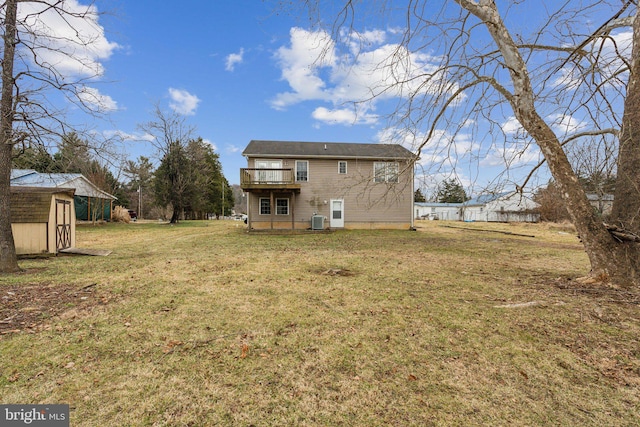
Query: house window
x=282, y=206
x=342, y=168
x=302, y=170
x=385, y=171
x=265, y=206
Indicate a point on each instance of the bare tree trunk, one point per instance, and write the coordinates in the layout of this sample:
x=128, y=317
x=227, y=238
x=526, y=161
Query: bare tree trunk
x=8, y=257
x=626, y=205
x=607, y=260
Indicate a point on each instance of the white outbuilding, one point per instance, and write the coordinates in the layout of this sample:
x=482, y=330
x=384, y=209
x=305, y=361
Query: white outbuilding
x=501, y=207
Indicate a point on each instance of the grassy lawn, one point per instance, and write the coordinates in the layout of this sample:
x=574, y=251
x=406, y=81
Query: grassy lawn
x=203, y=324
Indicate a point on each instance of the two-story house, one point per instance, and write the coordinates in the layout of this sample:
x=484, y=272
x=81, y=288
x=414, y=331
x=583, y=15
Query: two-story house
x=318, y=185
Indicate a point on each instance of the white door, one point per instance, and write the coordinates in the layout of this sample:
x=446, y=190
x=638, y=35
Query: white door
x=269, y=176
x=337, y=213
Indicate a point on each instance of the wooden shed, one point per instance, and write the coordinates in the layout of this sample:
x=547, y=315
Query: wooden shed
x=43, y=220
x=91, y=202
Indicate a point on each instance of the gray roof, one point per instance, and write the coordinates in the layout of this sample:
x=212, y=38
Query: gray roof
x=437, y=205
x=339, y=150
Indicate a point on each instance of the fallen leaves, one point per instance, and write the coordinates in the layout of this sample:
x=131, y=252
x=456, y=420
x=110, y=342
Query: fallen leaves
x=26, y=308
x=245, y=350
x=170, y=345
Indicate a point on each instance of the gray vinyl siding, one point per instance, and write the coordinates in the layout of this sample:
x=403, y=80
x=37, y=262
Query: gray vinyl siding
x=364, y=200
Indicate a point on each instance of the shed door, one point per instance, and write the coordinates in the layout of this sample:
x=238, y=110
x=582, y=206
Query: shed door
x=63, y=224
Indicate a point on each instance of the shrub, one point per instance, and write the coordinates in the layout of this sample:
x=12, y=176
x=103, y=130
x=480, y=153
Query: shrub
x=120, y=214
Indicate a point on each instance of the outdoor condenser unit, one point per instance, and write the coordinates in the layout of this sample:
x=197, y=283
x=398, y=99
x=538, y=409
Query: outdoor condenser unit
x=317, y=222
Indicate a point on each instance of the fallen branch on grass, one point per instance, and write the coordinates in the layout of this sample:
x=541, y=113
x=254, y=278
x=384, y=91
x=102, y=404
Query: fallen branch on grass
x=519, y=305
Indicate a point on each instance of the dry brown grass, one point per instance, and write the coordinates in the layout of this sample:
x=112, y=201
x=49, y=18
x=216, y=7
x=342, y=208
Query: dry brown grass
x=204, y=324
x=121, y=214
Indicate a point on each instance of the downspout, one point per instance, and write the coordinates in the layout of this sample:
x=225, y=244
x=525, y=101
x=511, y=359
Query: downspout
x=412, y=195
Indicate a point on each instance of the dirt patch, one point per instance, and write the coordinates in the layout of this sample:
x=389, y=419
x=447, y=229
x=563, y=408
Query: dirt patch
x=26, y=307
x=337, y=272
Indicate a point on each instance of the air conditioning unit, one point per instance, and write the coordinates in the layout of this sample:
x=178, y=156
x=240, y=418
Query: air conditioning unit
x=317, y=222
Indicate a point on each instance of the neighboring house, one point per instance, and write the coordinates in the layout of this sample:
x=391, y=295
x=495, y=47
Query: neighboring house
x=434, y=210
x=603, y=203
x=42, y=219
x=340, y=185
x=502, y=207
x=91, y=203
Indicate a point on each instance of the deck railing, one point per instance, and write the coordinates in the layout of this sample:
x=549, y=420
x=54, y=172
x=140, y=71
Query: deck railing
x=254, y=176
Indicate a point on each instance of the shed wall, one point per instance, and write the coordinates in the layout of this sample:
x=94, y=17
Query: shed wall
x=30, y=238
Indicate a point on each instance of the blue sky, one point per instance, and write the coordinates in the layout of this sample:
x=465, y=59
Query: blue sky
x=245, y=69
x=217, y=63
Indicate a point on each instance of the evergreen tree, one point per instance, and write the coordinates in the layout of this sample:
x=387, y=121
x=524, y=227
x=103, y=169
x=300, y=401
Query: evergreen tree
x=451, y=191
x=33, y=157
x=418, y=196
x=173, y=180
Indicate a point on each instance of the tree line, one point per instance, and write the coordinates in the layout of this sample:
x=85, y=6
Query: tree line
x=187, y=184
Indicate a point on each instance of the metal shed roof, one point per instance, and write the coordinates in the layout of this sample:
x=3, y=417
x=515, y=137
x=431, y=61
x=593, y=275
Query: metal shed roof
x=82, y=186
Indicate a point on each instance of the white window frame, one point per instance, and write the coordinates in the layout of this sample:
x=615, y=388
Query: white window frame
x=340, y=163
x=386, y=172
x=278, y=207
x=268, y=205
x=307, y=171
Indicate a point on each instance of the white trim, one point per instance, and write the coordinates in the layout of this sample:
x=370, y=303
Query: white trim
x=288, y=207
x=387, y=175
x=336, y=222
x=295, y=171
x=260, y=199
x=345, y=167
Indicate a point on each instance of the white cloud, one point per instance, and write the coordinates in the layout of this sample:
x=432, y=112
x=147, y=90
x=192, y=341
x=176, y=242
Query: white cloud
x=357, y=41
x=342, y=116
x=562, y=124
x=210, y=143
x=95, y=100
x=125, y=136
x=512, y=126
x=606, y=56
x=183, y=102
x=363, y=70
x=233, y=59
x=410, y=139
x=512, y=156
x=565, y=124
x=73, y=43
x=300, y=64
x=233, y=149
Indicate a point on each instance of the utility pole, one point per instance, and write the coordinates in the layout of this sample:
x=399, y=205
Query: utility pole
x=139, y=201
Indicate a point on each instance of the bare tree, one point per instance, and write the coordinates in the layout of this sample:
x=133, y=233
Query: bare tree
x=49, y=46
x=171, y=135
x=8, y=257
x=518, y=86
